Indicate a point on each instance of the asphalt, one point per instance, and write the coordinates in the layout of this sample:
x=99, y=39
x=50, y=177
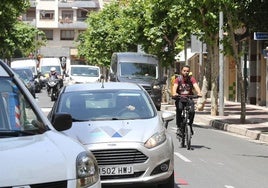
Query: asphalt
x=255, y=127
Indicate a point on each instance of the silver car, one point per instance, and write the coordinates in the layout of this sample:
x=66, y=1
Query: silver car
x=119, y=123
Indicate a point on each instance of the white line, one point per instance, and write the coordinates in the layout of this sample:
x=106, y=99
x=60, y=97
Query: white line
x=228, y=186
x=182, y=157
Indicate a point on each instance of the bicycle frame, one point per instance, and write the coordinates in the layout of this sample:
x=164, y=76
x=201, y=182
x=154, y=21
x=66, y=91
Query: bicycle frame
x=187, y=128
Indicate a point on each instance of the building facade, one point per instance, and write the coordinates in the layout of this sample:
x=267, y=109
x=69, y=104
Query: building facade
x=62, y=21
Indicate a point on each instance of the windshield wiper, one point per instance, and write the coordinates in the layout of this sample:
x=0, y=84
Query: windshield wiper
x=15, y=133
x=79, y=120
x=104, y=119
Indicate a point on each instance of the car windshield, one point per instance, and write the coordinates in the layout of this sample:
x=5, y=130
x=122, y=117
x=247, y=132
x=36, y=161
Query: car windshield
x=25, y=74
x=106, y=105
x=85, y=71
x=46, y=69
x=17, y=118
x=129, y=69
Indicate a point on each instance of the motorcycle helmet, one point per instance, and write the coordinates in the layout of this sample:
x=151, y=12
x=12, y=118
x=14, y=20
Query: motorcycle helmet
x=53, y=70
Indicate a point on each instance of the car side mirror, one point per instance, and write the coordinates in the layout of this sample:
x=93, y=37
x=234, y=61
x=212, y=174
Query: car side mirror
x=62, y=121
x=167, y=117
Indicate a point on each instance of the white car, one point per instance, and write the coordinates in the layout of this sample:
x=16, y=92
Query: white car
x=34, y=153
x=119, y=123
x=77, y=74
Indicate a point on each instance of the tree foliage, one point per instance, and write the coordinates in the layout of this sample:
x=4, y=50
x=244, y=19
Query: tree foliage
x=14, y=34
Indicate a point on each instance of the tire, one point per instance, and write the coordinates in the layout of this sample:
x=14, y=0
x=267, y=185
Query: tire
x=188, y=135
x=169, y=183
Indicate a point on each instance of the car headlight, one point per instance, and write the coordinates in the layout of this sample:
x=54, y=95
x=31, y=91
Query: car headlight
x=157, y=139
x=156, y=87
x=87, y=170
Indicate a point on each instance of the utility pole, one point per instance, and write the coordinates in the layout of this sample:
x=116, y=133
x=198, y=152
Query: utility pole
x=221, y=66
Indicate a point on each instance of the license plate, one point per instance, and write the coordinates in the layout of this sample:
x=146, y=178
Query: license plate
x=115, y=170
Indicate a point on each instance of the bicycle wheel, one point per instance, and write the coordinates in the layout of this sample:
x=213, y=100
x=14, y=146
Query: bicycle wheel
x=188, y=135
x=182, y=138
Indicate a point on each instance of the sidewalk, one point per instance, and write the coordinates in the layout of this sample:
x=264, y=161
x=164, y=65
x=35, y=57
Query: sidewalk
x=256, y=126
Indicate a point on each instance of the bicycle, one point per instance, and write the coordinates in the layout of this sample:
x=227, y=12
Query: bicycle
x=187, y=128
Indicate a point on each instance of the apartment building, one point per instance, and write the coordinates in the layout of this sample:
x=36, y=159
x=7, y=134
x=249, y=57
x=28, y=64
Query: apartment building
x=62, y=21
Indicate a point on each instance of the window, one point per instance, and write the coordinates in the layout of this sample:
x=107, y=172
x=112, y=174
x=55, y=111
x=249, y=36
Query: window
x=67, y=14
x=49, y=34
x=47, y=15
x=67, y=35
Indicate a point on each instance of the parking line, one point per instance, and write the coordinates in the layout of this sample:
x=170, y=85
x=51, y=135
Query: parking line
x=182, y=157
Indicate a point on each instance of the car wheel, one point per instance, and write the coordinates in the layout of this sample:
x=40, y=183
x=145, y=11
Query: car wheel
x=169, y=183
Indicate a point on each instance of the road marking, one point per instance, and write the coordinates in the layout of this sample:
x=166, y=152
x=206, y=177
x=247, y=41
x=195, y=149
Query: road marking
x=182, y=157
x=228, y=186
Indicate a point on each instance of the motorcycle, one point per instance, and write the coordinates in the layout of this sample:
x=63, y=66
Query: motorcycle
x=53, y=88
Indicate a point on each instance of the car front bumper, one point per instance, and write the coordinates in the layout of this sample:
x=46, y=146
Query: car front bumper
x=149, y=171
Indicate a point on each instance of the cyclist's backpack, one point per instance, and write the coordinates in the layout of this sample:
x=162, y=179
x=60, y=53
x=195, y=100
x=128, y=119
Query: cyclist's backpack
x=180, y=81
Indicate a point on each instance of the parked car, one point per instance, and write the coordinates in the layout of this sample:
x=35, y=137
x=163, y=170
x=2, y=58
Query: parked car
x=25, y=74
x=120, y=124
x=77, y=74
x=34, y=153
x=29, y=64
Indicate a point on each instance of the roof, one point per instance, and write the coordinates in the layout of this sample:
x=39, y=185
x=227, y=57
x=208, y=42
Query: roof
x=106, y=86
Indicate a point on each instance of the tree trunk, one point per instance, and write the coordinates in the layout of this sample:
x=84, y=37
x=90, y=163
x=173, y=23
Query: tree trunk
x=214, y=77
x=239, y=70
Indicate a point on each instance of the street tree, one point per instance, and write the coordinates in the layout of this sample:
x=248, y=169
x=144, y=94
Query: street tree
x=14, y=34
x=112, y=29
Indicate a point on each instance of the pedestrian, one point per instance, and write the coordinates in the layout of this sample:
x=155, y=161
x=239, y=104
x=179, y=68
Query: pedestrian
x=184, y=85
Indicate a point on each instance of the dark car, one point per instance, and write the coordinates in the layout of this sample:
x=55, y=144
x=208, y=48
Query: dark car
x=26, y=75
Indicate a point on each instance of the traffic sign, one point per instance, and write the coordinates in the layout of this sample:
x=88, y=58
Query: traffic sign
x=260, y=35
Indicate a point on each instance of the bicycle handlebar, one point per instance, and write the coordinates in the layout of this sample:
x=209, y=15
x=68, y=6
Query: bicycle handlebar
x=185, y=96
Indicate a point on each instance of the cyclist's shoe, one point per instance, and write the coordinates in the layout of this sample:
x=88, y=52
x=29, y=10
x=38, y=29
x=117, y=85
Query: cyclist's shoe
x=182, y=144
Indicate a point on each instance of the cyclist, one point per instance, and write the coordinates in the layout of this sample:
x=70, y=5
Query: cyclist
x=183, y=86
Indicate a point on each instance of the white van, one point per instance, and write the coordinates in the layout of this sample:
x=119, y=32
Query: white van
x=82, y=74
x=22, y=63
x=47, y=63
x=33, y=152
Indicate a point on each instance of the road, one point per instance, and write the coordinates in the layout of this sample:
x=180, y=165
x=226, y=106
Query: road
x=217, y=159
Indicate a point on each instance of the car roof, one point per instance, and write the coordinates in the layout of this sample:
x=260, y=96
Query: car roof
x=102, y=86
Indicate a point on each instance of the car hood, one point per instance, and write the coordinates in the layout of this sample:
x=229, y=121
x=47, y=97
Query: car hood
x=83, y=79
x=35, y=159
x=94, y=132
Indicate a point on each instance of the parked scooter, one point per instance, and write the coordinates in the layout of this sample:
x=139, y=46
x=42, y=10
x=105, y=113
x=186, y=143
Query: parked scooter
x=53, y=88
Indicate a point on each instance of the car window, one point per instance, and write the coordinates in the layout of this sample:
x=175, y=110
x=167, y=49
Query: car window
x=16, y=113
x=84, y=71
x=99, y=105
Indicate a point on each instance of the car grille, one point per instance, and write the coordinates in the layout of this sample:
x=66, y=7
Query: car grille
x=119, y=156
x=58, y=184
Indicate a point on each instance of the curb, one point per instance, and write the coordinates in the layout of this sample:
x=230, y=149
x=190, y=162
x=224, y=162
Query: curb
x=221, y=125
